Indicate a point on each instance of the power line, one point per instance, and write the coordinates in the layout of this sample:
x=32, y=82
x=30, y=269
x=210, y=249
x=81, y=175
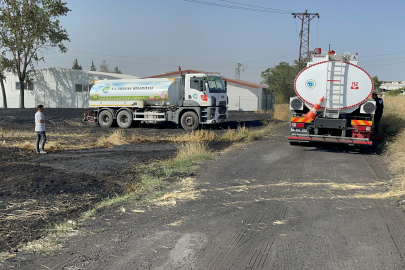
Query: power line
x=177, y=60
x=382, y=54
x=155, y=64
x=383, y=60
x=242, y=4
x=261, y=9
x=138, y=65
x=232, y=62
x=385, y=64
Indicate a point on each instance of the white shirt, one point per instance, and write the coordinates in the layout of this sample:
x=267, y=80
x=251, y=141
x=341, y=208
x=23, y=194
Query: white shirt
x=39, y=126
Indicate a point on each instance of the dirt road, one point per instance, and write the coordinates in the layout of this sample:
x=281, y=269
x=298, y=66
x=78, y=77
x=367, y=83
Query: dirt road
x=267, y=205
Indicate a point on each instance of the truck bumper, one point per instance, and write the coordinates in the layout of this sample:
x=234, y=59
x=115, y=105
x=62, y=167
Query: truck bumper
x=329, y=139
x=217, y=115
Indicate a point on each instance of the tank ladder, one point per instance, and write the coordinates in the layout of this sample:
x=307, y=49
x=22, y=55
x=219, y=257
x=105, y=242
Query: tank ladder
x=334, y=86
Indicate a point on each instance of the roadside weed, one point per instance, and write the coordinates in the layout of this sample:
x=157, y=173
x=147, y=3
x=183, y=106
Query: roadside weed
x=235, y=134
x=281, y=112
x=393, y=127
x=196, y=136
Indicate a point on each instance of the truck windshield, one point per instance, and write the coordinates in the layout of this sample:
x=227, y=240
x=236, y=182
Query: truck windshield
x=216, y=85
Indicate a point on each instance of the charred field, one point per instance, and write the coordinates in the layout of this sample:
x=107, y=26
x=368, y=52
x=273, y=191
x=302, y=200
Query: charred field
x=84, y=165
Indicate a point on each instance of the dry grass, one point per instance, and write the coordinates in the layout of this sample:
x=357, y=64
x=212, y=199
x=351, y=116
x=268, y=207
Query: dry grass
x=281, y=112
x=236, y=134
x=196, y=136
x=65, y=138
x=262, y=111
x=118, y=137
x=393, y=127
x=54, y=241
x=76, y=140
x=191, y=149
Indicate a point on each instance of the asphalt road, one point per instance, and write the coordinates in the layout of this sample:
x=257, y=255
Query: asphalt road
x=267, y=205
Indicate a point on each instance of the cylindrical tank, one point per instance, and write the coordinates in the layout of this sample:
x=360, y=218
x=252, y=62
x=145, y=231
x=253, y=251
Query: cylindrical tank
x=151, y=91
x=343, y=85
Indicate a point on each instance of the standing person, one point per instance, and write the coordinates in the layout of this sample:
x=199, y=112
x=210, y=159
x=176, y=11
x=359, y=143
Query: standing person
x=379, y=103
x=40, y=129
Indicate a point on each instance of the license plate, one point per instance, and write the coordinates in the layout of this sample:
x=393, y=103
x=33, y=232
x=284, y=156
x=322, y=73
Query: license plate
x=299, y=130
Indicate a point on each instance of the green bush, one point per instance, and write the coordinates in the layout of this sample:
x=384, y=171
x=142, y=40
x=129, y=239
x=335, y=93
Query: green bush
x=395, y=92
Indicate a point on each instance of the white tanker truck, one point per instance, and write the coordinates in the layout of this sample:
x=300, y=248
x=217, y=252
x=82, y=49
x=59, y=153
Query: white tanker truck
x=189, y=100
x=332, y=101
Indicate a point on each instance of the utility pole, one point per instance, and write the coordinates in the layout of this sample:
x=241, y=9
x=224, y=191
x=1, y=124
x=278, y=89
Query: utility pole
x=304, y=34
x=239, y=68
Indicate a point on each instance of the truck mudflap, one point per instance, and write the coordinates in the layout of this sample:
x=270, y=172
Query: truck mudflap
x=330, y=139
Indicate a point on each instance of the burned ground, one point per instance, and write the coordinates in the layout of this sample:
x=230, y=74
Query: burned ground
x=38, y=191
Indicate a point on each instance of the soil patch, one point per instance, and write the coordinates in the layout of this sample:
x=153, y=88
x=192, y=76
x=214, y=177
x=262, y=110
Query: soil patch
x=38, y=191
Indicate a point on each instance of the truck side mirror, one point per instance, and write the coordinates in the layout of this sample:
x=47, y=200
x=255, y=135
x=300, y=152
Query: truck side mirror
x=226, y=86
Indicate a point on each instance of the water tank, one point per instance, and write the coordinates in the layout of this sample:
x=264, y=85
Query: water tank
x=348, y=85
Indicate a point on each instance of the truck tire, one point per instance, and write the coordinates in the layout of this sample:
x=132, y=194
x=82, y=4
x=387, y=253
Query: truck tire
x=124, y=119
x=189, y=121
x=105, y=119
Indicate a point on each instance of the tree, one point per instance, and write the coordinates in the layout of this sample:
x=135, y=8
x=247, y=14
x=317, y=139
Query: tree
x=117, y=70
x=76, y=65
x=4, y=66
x=280, y=80
x=104, y=66
x=27, y=29
x=377, y=83
x=93, y=67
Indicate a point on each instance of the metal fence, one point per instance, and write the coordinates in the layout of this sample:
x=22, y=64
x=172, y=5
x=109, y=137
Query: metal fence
x=250, y=103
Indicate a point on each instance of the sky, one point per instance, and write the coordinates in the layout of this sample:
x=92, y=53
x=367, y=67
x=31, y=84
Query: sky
x=150, y=37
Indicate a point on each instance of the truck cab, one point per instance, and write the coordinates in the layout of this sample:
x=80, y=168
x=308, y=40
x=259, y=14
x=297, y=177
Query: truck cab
x=209, y=93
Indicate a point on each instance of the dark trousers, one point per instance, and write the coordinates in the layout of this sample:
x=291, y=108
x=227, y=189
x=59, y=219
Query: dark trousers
x=40, y=135
x=377, y=119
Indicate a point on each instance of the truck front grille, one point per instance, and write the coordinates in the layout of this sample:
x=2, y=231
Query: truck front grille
x=222, y=110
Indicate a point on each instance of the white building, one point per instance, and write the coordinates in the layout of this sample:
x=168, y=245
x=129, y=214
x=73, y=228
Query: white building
x=387, y=86
x=56, y=88
x=242, y=95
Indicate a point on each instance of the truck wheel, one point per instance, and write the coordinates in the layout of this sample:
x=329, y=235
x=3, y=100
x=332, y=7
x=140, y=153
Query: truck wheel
x=124, y=119
x=105, y=119
x=189, y=121
x=294, y=143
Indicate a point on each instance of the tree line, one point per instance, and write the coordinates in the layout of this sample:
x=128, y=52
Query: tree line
x=103, y=67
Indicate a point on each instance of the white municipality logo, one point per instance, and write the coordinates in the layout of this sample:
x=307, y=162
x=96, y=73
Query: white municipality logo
x=310, y=84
